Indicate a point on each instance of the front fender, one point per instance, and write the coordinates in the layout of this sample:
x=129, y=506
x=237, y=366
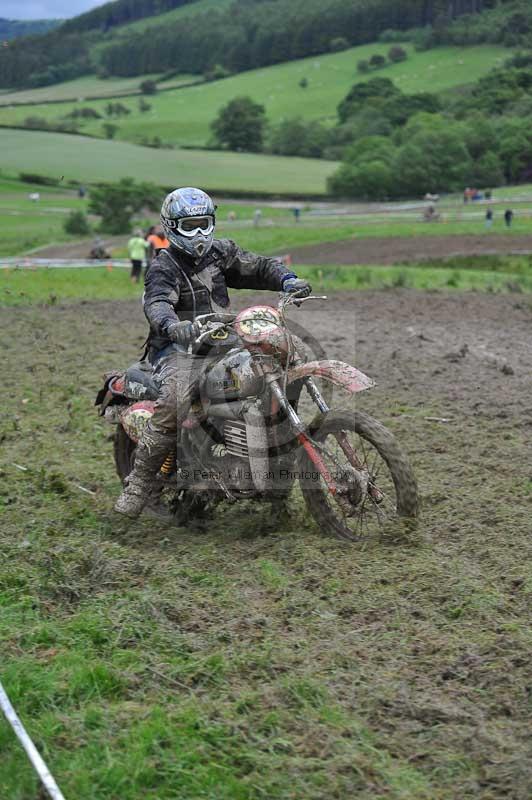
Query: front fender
x=336, y=372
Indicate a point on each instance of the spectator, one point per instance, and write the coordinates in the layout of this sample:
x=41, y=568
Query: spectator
x=489, y=218
x=81, y=192
x=256, y=217
x=508, y=217
x=137, y=247
x=297, y=213
x=157, y=241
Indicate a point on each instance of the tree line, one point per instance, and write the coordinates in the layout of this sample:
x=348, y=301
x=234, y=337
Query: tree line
x=402, y=145
x=249, y=34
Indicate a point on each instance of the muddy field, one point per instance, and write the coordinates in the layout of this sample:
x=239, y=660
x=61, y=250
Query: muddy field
x=403, y=249
x=388, y=671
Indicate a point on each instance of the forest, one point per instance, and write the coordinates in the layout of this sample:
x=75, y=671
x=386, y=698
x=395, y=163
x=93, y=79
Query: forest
x=250, y=34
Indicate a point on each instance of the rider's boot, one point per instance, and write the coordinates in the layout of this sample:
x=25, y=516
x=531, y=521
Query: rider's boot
x=149, y=457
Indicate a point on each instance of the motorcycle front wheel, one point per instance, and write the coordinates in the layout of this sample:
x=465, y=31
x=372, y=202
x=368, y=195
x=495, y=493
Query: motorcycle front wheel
x=386, y=489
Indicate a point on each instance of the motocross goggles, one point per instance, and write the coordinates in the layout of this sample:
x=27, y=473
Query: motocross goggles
x=192, y=226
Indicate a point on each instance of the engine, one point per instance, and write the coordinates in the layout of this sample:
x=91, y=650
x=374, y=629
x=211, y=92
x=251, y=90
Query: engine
x=232, y=377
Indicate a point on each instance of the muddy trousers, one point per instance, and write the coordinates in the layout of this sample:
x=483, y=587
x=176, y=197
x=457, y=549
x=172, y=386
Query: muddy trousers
x=178, y=375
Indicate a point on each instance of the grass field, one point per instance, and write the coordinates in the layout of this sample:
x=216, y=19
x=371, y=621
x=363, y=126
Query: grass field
x=183, y=116
x=25, y=225
x=94, y=160
x=82, y=89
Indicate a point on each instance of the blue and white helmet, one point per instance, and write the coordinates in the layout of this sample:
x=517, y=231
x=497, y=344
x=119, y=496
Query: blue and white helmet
x=188, y=219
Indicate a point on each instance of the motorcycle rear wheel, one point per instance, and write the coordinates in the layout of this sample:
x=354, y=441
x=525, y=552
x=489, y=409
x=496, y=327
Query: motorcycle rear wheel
x=388, y=468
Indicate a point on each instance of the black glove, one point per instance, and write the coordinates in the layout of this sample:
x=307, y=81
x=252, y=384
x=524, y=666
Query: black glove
x=182, y=332
x=291, y=285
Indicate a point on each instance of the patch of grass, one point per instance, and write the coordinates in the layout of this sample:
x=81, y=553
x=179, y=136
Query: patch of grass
x=26, y=225
x=55, y=286
x=50, y=286
x=93, y=160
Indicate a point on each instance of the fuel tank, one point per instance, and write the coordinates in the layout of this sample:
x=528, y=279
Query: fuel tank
x=232, y=377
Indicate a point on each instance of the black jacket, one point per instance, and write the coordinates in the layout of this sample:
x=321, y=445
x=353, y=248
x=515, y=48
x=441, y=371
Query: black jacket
x=176, y=288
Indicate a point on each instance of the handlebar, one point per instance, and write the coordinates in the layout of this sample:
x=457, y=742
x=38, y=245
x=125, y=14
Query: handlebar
x=217, y=321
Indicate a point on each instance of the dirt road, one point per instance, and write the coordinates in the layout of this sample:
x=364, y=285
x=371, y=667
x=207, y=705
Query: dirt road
x=391, y=250
x=398, y=249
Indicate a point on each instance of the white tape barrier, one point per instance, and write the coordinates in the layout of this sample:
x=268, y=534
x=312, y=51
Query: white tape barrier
x=61, y=263
x=33, y=754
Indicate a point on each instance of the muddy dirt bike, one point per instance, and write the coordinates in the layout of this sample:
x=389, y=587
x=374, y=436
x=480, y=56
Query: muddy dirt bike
x=244, y=438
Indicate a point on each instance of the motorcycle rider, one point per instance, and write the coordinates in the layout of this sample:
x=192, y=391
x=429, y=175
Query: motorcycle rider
x=189, y=278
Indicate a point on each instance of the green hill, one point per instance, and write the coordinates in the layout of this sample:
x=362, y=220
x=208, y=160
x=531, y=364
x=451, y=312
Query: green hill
x=183, y=116
x=239, y=36
x=93, y=160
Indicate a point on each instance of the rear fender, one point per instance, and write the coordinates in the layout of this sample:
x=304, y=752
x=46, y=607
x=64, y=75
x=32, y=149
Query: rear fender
x=336, y=372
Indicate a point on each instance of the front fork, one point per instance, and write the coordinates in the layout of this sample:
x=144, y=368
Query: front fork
x=301, y=435
x=341, y=437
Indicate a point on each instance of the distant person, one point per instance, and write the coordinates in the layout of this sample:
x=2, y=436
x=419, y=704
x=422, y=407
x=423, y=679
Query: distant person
x=487, y=194
x=98, y=250
x=489, y=218
x=81, y=192
x=231, y=216
x=256, y=217
x=430, y=214
x=467, y=195
x=157, y=241
x=297, y=213
x=137, y=247
x=508, y=217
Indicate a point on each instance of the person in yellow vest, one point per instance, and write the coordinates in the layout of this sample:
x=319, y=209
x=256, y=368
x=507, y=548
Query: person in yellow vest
x=137, y=247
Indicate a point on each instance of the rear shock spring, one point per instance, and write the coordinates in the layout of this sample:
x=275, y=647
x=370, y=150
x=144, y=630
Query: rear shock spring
x=169, y=464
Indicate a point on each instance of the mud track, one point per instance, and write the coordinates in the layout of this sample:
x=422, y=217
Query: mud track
x=426, y=642
x=399, y=249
